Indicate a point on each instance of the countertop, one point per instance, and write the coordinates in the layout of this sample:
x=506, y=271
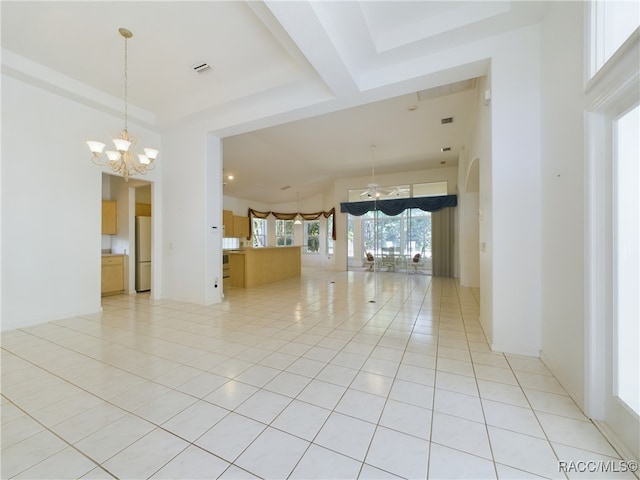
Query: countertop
x=241, y=251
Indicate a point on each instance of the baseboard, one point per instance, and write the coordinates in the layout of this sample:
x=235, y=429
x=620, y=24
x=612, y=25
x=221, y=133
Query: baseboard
x=515, y=350
x=7, y=327
x=577, y=396
x=615, y=442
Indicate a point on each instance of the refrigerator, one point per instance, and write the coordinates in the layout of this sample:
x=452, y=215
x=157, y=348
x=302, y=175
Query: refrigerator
x=143, y=254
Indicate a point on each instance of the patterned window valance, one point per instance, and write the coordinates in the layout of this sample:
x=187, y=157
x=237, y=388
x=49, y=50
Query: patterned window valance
x=291, y=216
x=398, y=205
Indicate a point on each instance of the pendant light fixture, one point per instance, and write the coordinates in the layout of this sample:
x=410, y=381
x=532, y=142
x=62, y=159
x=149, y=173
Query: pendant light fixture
x=373, y=193
x=297, y=220
x=124, y=160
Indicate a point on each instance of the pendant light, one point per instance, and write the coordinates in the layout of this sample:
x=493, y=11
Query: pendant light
x=297, y=220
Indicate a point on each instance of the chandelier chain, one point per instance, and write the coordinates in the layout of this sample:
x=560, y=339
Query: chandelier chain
x=126, y=83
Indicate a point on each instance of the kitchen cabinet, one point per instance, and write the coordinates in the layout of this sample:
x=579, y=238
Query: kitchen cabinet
x=240, y=226
x=109, y=217
x=235, y=226
x=236, y=269
x=143, y=209
x=112, y=274
x=227, y=222
x=253, y=267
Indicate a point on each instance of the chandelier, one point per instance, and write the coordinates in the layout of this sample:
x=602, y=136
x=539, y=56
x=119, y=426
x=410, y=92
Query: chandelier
x=124, y=160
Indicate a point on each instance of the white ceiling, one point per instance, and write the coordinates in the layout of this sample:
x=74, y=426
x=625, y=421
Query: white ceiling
x=300, y=90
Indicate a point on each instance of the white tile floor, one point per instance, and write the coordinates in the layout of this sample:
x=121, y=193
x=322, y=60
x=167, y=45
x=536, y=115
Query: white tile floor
x=304, y=379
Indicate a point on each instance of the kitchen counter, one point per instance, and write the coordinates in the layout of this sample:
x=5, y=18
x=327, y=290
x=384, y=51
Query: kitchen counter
x=252, y=267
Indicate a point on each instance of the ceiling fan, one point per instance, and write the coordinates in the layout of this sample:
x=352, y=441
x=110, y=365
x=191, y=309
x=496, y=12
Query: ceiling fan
x=399, y=191
x=373, y=189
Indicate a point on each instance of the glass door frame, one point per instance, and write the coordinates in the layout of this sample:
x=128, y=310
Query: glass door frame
x=612, y=92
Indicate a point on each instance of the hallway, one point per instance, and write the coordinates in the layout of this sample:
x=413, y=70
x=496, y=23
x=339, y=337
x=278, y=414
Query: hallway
x=307, y=378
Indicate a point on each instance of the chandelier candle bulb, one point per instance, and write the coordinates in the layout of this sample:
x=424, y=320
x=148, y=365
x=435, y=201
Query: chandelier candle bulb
x=95, y=147
x=151, y=153
x=121, y=144
x=113, y=156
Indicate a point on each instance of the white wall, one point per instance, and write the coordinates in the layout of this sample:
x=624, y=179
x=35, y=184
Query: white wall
x=192, y=198
x=515, y=190
x=240, y=206
x=563, y=173
x=478, y=149
x=474, y=204
x=51, y=198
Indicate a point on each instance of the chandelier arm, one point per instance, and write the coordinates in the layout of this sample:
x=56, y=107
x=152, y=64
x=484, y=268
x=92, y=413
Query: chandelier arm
x=97, y=160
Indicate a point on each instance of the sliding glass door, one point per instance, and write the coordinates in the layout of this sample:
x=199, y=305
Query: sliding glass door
x=392, y=241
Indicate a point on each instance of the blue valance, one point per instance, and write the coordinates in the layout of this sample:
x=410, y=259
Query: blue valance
x=396, y=206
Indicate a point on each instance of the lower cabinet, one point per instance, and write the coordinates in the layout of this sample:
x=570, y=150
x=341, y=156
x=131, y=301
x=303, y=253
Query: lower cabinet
x=112, y=274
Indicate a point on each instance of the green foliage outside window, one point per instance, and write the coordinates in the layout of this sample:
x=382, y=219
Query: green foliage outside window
x=312, y=236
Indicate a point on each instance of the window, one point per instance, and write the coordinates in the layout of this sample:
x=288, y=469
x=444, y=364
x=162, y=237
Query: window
x=612, y=22
x=432, y=189
x=259, y=232
x=284, y=233
x=402, y=235
x=627, y=253
x=329, y=235
x=312, y=236
x=392, y=240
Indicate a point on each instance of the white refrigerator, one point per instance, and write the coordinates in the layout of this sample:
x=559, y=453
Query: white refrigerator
x=143, y=254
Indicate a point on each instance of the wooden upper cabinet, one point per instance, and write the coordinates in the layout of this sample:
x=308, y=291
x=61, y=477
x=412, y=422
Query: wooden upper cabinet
x=109, y=217
x=240, y=226
x=235, y=225
x=143, y=209
x=227, y=222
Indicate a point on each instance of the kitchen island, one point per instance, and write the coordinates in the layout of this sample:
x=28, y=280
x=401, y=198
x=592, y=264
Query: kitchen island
x=252, y=267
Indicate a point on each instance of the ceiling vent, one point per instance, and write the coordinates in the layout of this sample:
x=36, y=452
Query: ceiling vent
x=201, y=67
x=444, y=121
x=445, y=149
x=448, y=89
